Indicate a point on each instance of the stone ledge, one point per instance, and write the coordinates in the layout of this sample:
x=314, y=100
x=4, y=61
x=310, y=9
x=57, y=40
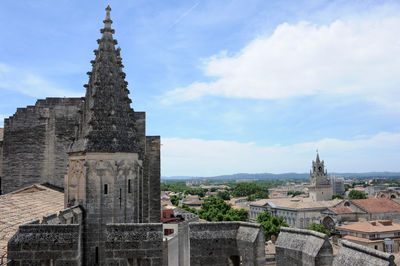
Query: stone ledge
x=226, y=223
x=304, y=232
x=369, y=251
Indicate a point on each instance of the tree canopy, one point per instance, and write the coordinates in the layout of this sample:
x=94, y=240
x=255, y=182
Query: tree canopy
x=224, y=195
x=319, y=228
x=175, y=200
x=215, y=209
x=271, y=225
x=246, y=189
x=294, y=193
x=355, y=194
x=337, y=196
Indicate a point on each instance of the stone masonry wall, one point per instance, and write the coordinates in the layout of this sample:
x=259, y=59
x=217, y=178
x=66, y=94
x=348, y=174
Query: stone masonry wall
x=136, y=244
x=41, y=244
x=226, y=243
x=36, y=140
x=1, y=157
x=56, y=239
x=354, y=254
x=152, y=177
x=303, y=247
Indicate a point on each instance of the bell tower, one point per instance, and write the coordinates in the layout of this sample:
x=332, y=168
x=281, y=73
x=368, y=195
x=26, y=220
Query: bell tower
x=320, y=186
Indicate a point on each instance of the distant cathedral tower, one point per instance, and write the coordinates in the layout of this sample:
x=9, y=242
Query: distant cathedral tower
x=320, y=186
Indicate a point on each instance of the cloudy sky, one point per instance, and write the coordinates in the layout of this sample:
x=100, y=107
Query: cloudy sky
x=231, y=86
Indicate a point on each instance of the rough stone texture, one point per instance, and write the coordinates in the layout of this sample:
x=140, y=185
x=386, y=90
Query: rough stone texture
x=87, y=177
x=1, y=156
x=184, y=243
x=107, y=122
x=353, y=254
x=36, y=140
x=303, y=247
x=152, y=177
x=132, y=243
x=226, y=243
x=38, y=244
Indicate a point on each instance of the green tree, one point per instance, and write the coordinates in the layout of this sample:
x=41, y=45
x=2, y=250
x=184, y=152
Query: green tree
x=245, y=189
x=201, y=192
x=175, y=200
x=215, y=209
x=251, y=198
x=355, y=194
x=337, y=196
x=175, y=187
x=187, y=208
x=319, y=228
x=271, y=225
x=261, y=194
x=224, y=195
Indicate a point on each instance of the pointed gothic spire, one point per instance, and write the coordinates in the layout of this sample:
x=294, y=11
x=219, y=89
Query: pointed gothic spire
x=317, y=160
x=107, y=119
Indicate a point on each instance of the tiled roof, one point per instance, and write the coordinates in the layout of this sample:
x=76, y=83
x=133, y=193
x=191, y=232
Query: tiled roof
x=193, y=202
x=25, y=205
x=342, y=209
x=371, y=226
x=377, y=205
x=297, y=203
x=360, y=239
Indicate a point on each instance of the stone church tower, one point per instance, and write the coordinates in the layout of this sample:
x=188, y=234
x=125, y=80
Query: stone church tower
x=320, y=186
x=111, y=162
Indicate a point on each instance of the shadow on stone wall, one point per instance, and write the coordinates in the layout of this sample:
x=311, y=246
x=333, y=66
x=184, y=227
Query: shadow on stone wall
x=305, y=247
x=226, y=243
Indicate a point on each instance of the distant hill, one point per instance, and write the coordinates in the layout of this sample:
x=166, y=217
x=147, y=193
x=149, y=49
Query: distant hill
x=283, y=176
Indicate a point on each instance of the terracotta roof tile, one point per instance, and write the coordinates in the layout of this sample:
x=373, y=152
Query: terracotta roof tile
x=371, y=226
x=377, y=205
x=25, y=205
x=342, y=209
x=360, y=239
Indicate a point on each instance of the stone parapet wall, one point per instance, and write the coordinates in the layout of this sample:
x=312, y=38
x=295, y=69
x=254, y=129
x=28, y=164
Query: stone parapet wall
x=303, y=247
x=134, y=243
x=226, y=243
x=354, y=254
x=43, y=244
x=73, y=215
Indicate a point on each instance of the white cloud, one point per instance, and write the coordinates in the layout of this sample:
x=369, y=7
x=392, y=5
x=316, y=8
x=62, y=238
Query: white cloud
x=348, y=57
x=31, y=84
x=199, y=157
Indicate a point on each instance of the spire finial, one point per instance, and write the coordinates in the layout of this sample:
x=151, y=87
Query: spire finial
x=107, y=21
x=108, y=9
x=317, y=160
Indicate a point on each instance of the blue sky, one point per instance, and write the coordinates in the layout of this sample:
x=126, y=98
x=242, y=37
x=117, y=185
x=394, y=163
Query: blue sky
x=231, y=86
